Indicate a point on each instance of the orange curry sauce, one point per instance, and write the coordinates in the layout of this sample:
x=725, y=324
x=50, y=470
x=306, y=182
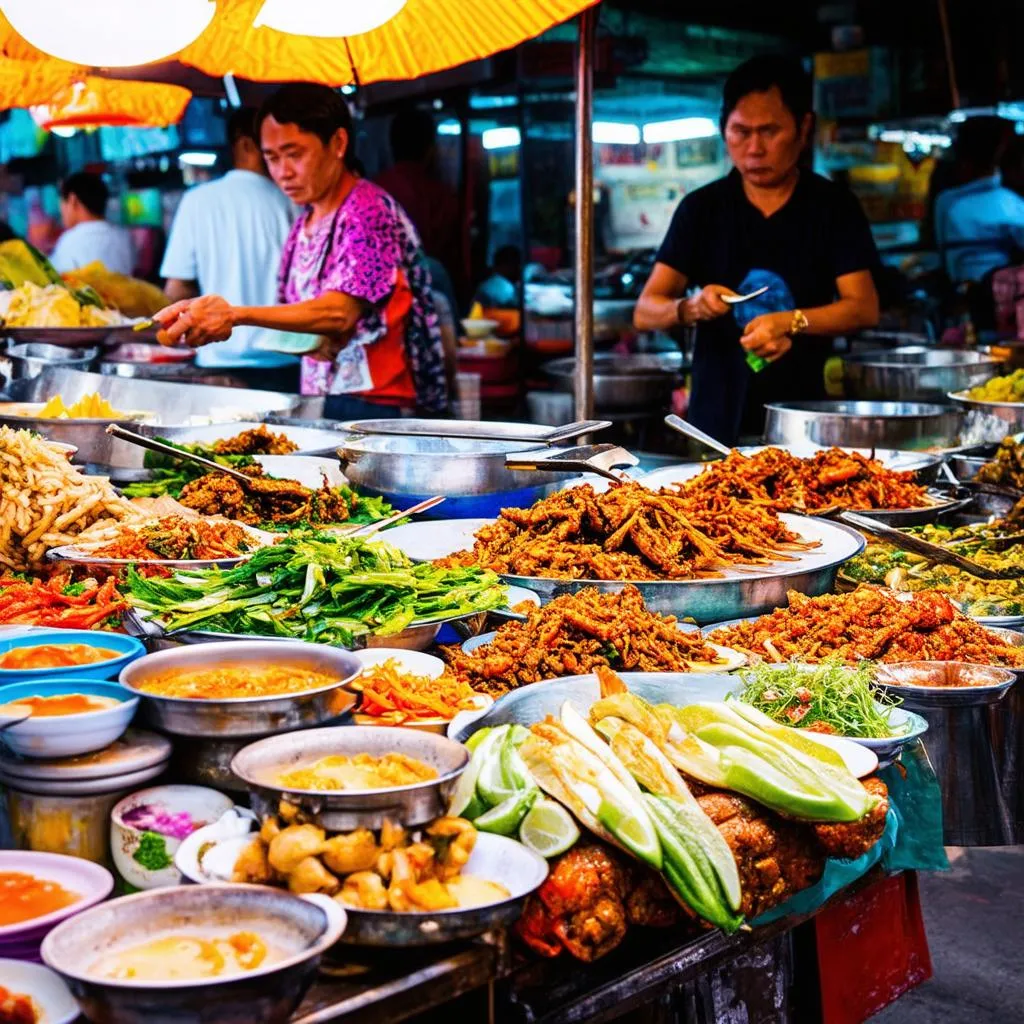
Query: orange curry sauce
x=60, y=704
x=24, y=897
x=55, y=656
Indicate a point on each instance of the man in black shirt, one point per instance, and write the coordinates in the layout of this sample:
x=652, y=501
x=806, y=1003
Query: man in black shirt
x=768, y=222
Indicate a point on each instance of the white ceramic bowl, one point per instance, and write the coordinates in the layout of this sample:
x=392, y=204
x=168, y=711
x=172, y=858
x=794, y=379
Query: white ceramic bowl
x=415, y=663
x=53, y=999
x=67, y=735
x=202, y=804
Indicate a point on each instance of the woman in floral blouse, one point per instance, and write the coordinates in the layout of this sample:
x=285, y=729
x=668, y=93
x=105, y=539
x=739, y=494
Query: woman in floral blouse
x=352, y=272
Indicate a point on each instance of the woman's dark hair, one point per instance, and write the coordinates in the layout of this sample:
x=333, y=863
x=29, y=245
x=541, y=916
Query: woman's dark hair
x=312, y=108
x=759, y=74
x=89, y=189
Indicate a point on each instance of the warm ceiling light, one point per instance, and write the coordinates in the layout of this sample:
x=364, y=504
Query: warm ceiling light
x=109, y=33
x=326, y=18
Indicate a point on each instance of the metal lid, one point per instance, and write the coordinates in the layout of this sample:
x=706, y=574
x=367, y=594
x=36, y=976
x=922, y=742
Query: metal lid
x=136, y=751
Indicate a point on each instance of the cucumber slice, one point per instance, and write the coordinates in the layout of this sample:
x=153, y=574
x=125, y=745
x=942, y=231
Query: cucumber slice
x=634, y=830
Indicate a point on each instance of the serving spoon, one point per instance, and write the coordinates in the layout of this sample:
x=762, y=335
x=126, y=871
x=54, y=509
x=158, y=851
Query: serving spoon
x=680, y=425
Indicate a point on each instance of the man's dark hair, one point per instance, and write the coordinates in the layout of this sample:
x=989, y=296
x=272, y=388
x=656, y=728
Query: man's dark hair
x=411, y=134
x=89, y=189
x=981, y=141
x=312, y=108
x=242, y=125
x=760, y=74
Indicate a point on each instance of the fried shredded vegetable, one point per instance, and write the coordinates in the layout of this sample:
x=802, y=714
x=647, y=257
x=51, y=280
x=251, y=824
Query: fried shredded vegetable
x=830, y=698
x=871, y=622
x=1006, y=467
x=779, y=480
x=630, y=533
x=574, y=634
x=177, y=538
x=393, y=697
x=316, y=587
x=60, y=602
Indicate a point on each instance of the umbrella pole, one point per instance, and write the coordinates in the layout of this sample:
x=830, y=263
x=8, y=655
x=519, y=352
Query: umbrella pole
x=583, y=382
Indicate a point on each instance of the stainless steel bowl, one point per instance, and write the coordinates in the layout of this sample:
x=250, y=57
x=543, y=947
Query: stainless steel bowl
x=988, y=421
x=31, y=358
x=261, y=764
x=495, y=858
x=924, y=685
x=244, y=716
x=470, y=473
x=850, y=424
x=302, y=928
x=915, y=373
x=624, y=382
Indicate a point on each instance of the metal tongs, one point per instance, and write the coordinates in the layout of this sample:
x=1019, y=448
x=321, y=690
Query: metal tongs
x=933, y=552
x=464, y=431
x=589, y=458
x=177, y=453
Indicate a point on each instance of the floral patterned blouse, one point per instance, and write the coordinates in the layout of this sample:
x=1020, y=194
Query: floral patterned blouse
x=370, y=250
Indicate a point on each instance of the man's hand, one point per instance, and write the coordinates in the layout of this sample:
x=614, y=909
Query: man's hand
x=768, y=336
x=707, y=304
x=196, y=322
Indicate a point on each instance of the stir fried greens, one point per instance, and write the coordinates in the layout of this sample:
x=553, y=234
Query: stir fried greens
x=316, y=587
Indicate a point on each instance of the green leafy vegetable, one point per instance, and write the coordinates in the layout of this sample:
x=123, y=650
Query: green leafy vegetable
x=152, y=852
x=318, y=587
x=831, y=694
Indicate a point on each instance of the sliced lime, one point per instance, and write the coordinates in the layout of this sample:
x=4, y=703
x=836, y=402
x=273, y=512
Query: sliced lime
x=548, y=829
x=632, y=827
x=477, y=738
x=506, y=818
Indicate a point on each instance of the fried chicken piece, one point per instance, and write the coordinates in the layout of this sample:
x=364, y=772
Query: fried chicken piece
x=258, y=441
x=650, y=903
x=252, y=865
x=849, y=840
x=356, y=851
x=309, y=875
x=294, y=844
x=775, y=857
x=581, y=904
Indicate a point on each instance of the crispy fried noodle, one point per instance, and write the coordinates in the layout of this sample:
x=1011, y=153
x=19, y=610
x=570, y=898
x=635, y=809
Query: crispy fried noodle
x=45, y=502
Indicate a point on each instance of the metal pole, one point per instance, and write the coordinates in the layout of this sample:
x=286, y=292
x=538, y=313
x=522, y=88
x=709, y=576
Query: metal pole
x=583, y=382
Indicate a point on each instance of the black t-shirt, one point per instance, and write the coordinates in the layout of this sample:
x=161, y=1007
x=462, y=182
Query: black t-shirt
x=718, y=236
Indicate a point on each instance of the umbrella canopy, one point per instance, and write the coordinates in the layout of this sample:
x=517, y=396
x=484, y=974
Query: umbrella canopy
x=424, y=36
x=92, y=101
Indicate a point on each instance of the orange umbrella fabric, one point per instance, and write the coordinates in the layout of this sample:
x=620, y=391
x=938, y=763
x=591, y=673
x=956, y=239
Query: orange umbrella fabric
x=103, y=101
x=425, y=36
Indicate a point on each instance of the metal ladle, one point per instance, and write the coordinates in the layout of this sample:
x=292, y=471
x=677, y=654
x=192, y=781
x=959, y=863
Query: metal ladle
x=177, y=453
x=680, y=425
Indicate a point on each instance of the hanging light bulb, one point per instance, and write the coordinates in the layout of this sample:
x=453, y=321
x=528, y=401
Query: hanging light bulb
x=326, y=18
x=109, y=33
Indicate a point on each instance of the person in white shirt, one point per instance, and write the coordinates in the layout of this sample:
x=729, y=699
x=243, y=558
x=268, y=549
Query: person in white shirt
x=226, y=240
x=88, y=236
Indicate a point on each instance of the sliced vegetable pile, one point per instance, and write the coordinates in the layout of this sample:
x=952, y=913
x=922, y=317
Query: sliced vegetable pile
x=60, y=602
x=830, y=698
x=622, y=776
x=317, y=587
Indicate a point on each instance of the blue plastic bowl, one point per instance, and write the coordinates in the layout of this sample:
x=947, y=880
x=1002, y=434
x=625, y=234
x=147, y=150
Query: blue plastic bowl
x=128, y=648
x=67, y=735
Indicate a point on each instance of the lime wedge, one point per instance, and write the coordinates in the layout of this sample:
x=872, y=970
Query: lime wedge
x=508, y=815
x=477, y=738
x=548, y=829
x=465, y=799
x=632, y=827
x=494, y=783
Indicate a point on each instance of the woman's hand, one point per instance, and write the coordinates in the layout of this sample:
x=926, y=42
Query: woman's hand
x=768, y=336
x=196, y=322
x=707, y=304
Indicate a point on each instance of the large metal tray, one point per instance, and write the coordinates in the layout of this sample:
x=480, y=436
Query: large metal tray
x=738, y=591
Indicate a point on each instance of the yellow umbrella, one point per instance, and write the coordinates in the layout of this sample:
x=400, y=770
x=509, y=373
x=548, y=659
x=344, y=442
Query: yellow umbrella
x=424, y=36
x=93, y=101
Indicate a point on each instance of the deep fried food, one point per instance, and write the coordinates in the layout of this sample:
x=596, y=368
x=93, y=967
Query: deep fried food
x=174, y=537
x=258, y=441
x=851, y=839
x=267, y=500
x=572, y=635
x=871, y=622
x=775, y=479
x=630, y=533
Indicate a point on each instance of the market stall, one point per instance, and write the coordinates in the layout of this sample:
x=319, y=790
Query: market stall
x=494, y=743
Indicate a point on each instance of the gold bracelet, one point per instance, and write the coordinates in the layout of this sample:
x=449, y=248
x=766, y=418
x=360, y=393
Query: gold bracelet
x=799, y=322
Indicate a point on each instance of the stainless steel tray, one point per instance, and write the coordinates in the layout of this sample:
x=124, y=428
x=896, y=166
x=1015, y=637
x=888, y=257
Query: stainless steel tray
x=915, y=373
x=709, y=600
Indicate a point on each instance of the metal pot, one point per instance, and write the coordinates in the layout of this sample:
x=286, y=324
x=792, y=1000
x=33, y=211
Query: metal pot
x=31, y=358
x=244, y=716
x=303, y=928
x=642, y=382
x=915, y=373
x=472, y=474
x=988, y=421
x=849, y=424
